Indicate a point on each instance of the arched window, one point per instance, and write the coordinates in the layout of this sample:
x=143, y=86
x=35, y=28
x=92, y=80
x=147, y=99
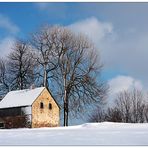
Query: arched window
x=41, y=105
x=50, y=106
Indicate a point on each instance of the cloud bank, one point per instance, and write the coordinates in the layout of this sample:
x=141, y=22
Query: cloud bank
x=122, y=83
x=8, y=40
x=120, y=50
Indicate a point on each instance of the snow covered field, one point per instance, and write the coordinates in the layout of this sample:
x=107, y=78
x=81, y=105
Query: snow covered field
x=86, y=134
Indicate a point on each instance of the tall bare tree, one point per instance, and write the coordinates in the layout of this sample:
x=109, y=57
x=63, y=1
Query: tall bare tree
x=68, y=62
x=77, y=75
x=21, y=65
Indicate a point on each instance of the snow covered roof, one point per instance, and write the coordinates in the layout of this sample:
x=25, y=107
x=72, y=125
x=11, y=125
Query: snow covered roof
x=20, y=97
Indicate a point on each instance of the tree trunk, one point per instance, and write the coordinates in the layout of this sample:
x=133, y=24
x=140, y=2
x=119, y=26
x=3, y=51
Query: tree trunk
x=65, y=103
x=21, y=83
x=45, y=77
x=65, y=109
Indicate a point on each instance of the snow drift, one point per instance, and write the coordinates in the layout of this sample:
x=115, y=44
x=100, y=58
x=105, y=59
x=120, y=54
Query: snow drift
x=86, y=134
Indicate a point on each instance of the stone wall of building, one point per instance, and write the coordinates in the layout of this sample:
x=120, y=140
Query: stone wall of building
x=46, y=115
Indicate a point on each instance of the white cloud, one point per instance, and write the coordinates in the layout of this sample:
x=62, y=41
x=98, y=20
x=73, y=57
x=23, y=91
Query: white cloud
x=6, y=45
x=7, y=24
x=121, y=83
x=7, y=42
x=128, y=54
x=93, y=28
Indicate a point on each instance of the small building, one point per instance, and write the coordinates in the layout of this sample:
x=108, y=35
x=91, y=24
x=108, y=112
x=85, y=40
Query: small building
x=29, y=108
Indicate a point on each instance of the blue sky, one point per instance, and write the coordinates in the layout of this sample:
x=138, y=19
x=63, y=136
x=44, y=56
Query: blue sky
x=118, y=30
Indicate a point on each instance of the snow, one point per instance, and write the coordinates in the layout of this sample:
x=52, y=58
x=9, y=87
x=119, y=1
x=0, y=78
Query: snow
x=27, y=110
x=20, y=97
x=86, y=134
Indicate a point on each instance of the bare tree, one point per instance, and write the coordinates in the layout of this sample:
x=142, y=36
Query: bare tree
x=113, y=115
x=109, y=114
x=97, y=115
x=123, y=103
x=146, y=112
x=138, y=106
x=68, y=62
x=45, y=42
x=77, y=75
x=21, y=66
x=4, y=77
x=131, y=105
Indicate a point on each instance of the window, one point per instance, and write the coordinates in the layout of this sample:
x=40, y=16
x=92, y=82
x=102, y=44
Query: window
x=41, y=105
x=1, y=125
x=50, y=106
